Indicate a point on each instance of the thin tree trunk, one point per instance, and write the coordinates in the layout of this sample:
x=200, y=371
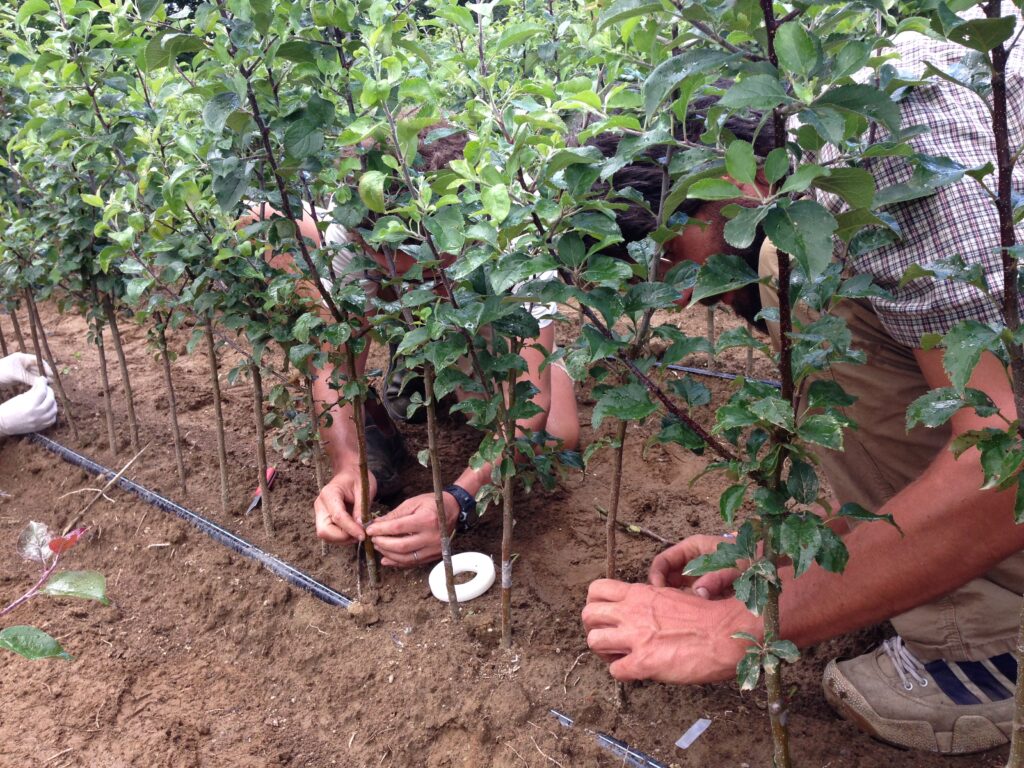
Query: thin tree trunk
x=218, y=412
x=318, y=459
x=261, y=447
x=36, y=326
x=507, y=520
x=3, y=342
x=435, y=477
x=711, y=336
x=613, y=509
x=108, y=407
x=129, y=397
x=359, y=420
x=18, y=335
x=172, y=403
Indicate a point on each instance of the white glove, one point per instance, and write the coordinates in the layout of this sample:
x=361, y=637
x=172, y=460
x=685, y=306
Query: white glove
x=21, y=368
x=30, y=411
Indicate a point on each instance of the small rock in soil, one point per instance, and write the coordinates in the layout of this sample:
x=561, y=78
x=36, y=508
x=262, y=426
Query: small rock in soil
x=362, y=614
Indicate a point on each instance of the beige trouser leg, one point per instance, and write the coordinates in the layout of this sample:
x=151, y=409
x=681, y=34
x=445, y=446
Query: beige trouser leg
x=880, y=458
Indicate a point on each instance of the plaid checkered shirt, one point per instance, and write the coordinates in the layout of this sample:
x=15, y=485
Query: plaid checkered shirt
x=960, y=219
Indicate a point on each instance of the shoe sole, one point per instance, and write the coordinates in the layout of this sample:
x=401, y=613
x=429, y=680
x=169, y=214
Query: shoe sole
x=970, y=734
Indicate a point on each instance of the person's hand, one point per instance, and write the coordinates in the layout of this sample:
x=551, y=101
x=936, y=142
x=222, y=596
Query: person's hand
x=338, y=508
x=665, y=634
x=30, y=411
x=667, y=568
x=408, y=535
x=21, y=368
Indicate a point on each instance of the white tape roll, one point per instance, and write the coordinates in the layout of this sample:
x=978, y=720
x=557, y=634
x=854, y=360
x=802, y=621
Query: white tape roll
x=464, y=562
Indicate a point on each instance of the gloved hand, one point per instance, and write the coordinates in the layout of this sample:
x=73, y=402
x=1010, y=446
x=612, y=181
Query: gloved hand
x=21, y=368
x=30, y=411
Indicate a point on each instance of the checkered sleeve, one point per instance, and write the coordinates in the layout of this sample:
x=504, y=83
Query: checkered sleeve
x=960, y=219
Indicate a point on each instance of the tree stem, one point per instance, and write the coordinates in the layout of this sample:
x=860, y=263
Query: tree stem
x=36, y=326
x=172, y=403
x=613, y=510
x=261, y=447
x=435, y=477
x=218, y=411
x=108, y=406
x=122, y=361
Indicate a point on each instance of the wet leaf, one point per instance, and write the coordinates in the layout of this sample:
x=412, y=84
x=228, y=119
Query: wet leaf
x=32, y=643
x=87, y=585
x=33, y=543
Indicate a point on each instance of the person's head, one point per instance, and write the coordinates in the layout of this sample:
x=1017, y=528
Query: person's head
x=702, y=234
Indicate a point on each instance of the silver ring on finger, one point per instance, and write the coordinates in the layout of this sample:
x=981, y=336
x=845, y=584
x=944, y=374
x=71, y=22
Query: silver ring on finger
x=416, y=555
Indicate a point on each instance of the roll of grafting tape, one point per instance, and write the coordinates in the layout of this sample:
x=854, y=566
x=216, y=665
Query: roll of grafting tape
x=464, y=562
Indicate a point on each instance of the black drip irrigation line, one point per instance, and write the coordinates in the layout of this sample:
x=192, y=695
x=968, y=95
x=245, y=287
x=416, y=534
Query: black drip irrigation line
x=722, y=375
x=278, y=567
x=634, y=758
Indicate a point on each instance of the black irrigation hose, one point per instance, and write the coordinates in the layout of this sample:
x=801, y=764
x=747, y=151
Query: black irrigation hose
x=278, y=567
x=721, y=375
x=632, y=757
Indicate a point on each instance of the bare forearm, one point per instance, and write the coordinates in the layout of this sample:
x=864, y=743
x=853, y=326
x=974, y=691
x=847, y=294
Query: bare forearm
x=339, y=435
x=952, y=532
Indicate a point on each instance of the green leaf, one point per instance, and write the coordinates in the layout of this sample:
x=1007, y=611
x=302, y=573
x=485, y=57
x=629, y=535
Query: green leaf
x=148, y=7
x=804, y=230
x=304, y=135
x=496, y=202
x=832, y=554
x=758, y=92
x=854, y=185
x=305, y=325
x=935, y=408
x=621, y=10
x=520, y=32
x=785, y=650
x=775, y=411
x=731, y=500
x=371, y=190
x=802, y=482
x=667, y=76
x=32, y=643
x=29, y=9
x=964, y=345
x=740, y=162
x=629, y=402
x=983, y=34
x=865, y=100
x=713, y=189
x=822, y=429
x=824, y=393
x=853, y=511
x=675, y=431
x=94, y=200
x=800, y=538
x=218, y=109
x=741, y=229
x=796, y=49
x=448, y=229
x=776, y=165
x=88, y=585
x=748, y=671
x=720, y=274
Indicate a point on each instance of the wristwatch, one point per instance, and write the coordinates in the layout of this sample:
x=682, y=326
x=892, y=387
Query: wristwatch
x=467, y=507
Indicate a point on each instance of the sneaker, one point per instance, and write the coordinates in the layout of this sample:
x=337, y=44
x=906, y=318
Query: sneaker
x=385, y=449
x=952, y=707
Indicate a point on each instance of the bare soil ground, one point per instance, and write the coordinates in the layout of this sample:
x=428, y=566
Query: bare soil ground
x=205, y=659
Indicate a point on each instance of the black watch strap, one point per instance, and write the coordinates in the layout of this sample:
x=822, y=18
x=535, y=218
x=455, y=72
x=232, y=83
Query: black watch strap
x=467, y=507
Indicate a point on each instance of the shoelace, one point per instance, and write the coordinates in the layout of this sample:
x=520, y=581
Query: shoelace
x=906, y=664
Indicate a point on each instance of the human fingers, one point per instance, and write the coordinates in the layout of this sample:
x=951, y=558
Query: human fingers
x=402, y=520
x=712, y=586
x=420, y=543
x=626, y=669
x=667, y=568
x=325, y=526
x=607, y=590
x=610, y=643
x=47, y=412
x=334, y=499
x=601, y=614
